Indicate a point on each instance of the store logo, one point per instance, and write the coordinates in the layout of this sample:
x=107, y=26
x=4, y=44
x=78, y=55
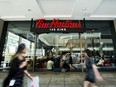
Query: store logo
x=57, y=26
x=56, y=23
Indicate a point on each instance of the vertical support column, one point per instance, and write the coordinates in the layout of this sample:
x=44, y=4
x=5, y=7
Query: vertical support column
x=30, y=51
x=35, y=47
x=113, y=32
x=93, y=47
x=85, y=41
x=81, y=50
x=20, y=39
x=3, y=33
x=57, y=45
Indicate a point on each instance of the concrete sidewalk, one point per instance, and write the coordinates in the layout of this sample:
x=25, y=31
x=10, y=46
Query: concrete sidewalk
x=66, y=79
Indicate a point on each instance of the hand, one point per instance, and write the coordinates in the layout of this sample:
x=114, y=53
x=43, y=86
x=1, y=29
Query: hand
x=30, y=76
x=99, y=78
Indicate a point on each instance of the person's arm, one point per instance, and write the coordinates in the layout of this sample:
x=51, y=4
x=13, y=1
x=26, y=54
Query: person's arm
x=27, y=73
x=97, y=74
x=23, y=65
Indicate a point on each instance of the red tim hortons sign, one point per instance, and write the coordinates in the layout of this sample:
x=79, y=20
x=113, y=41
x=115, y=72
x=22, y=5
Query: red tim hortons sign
x=57, y=26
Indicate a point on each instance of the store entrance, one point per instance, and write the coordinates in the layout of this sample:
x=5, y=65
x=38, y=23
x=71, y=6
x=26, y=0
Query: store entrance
x=64, y=38
x=55, y=40
x=59, y=46
x=55, y=48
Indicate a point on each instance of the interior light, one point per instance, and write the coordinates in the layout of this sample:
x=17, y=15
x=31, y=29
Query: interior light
x=48, y=16
x=111, y=16
x=9, y=17
x=4, y=0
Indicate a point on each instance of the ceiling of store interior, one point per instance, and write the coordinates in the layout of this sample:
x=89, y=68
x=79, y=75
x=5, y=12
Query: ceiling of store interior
x=62, y=9
x=71, y=39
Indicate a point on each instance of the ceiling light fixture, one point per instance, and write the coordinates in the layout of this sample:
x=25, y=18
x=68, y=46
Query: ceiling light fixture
x=4, y=0
x=104, y=16
x=12, y=17
x=60, y=16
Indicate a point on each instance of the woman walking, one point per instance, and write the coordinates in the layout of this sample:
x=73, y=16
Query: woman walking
x=92, y=72
x=17, y=69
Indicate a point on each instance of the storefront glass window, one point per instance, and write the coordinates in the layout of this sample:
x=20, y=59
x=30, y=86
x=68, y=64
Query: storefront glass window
x=97, y=38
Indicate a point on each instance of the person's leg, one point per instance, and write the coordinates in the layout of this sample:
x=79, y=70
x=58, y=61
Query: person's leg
x=18, y=85
x=74, y=67
x=6, y=82
x=92, y=85
x=86, y=83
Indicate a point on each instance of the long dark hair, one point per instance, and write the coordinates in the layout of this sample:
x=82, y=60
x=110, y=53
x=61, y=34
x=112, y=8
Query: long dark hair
x=89, y=53
x=19, y=50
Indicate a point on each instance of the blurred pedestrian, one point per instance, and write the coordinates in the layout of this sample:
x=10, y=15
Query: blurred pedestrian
x=92, y=72
x=17, y=69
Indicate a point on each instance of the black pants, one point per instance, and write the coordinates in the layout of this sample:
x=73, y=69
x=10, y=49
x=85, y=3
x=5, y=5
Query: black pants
x=17, y=85
x=7, y=81
x=66, y=66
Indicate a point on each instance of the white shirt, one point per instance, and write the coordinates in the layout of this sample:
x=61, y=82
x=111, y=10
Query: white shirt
x=50, y=64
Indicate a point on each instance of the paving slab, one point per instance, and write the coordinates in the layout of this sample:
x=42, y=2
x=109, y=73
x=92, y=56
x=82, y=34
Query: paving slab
x=66, y=79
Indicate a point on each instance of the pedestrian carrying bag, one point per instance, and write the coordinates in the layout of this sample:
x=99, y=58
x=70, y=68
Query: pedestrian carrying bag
x=34, y=82
x=13, y=80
